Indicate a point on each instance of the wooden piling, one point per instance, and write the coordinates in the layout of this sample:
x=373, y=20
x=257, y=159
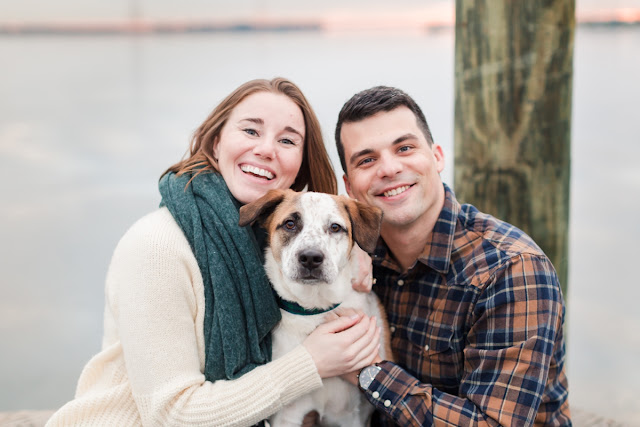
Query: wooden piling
x=513, y=86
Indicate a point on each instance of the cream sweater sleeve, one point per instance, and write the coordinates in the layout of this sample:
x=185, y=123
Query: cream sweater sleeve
x=156, y=297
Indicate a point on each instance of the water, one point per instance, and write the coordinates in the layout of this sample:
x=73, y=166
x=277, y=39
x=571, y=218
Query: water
x=87, y=124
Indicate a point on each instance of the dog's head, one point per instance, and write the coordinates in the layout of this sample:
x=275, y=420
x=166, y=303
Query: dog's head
x=310, y=240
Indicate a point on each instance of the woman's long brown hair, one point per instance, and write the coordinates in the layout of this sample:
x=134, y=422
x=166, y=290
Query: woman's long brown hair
x=316, y=172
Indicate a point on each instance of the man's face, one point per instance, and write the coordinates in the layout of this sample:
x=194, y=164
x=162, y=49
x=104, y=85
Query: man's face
x=391, y=165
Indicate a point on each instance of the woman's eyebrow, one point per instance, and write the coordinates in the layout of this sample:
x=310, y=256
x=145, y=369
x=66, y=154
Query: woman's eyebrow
x=290, y=129
x=259, y=121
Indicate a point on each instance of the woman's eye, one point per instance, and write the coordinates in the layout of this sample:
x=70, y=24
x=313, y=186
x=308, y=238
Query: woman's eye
x=290, y=225
x=251, y=132
x=336, y=227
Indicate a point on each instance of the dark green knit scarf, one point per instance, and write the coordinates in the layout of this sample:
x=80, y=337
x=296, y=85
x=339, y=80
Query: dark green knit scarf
x=240, y=308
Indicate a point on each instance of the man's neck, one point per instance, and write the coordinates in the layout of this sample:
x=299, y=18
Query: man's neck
x=407, y=242
x=405, y=247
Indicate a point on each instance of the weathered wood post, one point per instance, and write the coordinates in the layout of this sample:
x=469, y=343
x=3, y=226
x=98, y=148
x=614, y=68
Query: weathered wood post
x=513, y=86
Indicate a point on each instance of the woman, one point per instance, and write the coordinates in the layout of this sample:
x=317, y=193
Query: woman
x=188, y=307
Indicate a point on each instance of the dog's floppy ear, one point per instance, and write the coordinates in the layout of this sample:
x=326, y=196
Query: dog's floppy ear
x=261, y=208
x=365, y=223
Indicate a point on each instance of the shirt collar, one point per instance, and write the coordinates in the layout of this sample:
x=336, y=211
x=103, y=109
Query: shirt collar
x=437, y=251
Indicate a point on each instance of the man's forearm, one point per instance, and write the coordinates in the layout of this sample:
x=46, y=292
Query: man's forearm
x=407, y=402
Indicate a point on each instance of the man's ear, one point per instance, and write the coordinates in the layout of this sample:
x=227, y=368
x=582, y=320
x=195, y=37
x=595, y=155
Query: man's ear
x=347, y=185
x=438, y=154
x=261, y=208
x=365, y=223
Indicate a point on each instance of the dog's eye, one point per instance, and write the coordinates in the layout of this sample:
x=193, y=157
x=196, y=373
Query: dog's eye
x=336, y=227
x=290, y=225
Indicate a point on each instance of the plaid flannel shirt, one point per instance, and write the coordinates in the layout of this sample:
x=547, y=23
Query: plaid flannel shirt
x=476, y=329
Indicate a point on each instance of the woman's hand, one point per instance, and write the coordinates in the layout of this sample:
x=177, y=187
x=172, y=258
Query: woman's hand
x=362, y=279
x=344, y=345
x=343, y=312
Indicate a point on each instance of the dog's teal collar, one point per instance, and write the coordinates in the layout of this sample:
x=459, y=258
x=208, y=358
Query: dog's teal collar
x=295, y=308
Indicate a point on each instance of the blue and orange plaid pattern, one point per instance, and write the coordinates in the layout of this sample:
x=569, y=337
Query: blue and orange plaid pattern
x=477, y=329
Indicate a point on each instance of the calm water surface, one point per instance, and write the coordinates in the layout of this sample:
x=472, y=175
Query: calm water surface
x=87, y=124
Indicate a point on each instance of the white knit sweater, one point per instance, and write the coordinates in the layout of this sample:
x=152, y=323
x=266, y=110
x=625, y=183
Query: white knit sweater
x=149, y=371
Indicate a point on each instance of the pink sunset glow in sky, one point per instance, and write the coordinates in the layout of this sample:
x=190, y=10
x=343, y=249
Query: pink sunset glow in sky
x=332, y=14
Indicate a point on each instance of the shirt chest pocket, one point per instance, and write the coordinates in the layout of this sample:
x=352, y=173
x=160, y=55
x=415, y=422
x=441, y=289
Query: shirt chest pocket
x=435, y=355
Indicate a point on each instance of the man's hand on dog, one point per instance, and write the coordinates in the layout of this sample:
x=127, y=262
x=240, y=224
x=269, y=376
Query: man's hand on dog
x=363, y=278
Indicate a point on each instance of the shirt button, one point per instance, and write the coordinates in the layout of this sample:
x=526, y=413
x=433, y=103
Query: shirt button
x=392, y=329
x=426, y=347
x=375, y=395
x=400, y=282
x=387, y=403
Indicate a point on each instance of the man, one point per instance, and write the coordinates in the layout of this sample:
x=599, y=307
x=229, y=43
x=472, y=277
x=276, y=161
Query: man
x=474, y=305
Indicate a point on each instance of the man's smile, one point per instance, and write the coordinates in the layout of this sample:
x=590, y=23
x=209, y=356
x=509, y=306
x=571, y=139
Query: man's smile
x=394, y=191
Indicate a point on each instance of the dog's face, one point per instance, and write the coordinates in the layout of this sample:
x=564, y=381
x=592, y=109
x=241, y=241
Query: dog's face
x=310, y=240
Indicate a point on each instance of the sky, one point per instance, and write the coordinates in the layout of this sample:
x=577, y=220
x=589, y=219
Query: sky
x=332, y=11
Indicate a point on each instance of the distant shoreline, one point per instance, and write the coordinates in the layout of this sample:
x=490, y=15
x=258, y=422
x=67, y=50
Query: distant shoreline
x=194, y=28
x=150, y=28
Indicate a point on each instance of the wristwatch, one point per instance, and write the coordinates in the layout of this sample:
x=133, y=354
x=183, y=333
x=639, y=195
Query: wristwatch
x=367, y=375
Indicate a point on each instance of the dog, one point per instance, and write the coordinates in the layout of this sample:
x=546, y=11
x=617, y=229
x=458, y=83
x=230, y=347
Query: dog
x=309, y=263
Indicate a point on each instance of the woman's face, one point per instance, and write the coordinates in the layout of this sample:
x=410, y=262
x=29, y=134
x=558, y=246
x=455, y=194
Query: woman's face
x=260, y=146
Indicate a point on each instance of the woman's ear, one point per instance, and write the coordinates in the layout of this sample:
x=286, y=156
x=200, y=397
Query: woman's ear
x=216, y=140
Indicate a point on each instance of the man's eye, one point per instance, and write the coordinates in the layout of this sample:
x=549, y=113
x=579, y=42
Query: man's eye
x=251, y=132
x=336, y=228
x=365, y=161
x=404, y=148
x=290, y=225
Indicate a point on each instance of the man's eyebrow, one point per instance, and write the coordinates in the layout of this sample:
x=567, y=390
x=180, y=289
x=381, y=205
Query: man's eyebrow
x=367, y=151
x=360, y=153
x=403, y=138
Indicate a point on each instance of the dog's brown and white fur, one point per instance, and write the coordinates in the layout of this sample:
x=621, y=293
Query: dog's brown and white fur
x=309, y=262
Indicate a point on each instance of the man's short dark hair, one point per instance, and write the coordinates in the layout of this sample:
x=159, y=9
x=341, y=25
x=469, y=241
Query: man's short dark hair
x=369, y=102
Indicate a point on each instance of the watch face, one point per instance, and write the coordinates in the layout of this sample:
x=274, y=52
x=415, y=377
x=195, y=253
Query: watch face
x=367, y=375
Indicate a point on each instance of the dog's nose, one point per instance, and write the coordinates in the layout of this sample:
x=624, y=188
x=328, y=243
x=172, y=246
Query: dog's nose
x=311, y=259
